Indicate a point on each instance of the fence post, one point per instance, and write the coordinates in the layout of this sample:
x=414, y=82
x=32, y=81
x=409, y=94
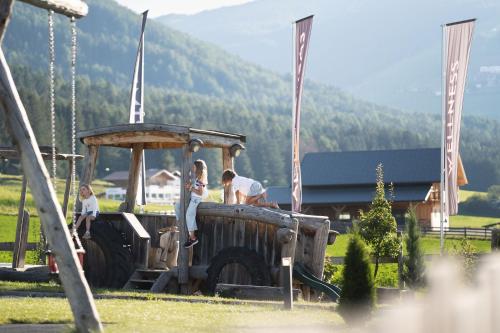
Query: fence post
x=401, y=282
x=286, y=270
x=465, y=232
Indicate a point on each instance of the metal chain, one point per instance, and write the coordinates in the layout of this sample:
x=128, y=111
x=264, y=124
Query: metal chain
x=73, y=113
x=52, y=103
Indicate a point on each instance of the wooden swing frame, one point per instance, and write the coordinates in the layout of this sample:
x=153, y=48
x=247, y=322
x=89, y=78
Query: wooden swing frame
x=51, y=214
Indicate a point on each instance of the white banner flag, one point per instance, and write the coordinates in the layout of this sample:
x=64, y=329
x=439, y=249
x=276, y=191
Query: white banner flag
x=457, y=42
x=137, y=106
x=301, y=40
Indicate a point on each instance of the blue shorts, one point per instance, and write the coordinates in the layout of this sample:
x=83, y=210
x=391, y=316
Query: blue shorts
x=91, y=213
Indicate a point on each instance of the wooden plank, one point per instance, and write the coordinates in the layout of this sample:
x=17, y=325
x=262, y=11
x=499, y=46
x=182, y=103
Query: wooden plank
x=5, y=11
x=52, y=219
x=67, y=189
x=87, y=175
x=216, y=141
x=70, y=8
x=288, y=248
x=136, y=226
x=245, y=212
x=21, y=229
x=9, y=246
x=128, y=139
x=133, y=178
x=183, y=261
x=161, y=282
x=252, y=292
x=142, y=249
x=133, y=129
x=319, y=249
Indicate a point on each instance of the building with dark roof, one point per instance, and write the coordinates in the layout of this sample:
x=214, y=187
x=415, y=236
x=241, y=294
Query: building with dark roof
x=340, y=184
x=160, y=177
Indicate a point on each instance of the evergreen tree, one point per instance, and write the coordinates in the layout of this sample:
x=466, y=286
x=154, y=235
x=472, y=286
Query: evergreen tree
x=357, y=297
x=378, y=227
x=414, y=266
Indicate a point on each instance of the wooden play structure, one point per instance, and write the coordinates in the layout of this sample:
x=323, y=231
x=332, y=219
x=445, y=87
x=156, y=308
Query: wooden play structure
x=239, y=244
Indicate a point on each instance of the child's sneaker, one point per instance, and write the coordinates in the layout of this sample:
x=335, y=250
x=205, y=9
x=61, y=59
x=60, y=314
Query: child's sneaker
x=86, y=235
x=191, y=243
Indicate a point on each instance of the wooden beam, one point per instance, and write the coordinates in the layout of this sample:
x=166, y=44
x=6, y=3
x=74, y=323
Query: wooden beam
x=5, y=11
x=70, y=272
x=251, y=292
x=133, y=177
x=183, y=261
x=21, y=230
x=70, y=8
x=246, y=212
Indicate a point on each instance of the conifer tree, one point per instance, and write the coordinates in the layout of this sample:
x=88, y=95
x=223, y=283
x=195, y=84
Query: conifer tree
x=414, y=266
x=378, y=227
x=357, y=297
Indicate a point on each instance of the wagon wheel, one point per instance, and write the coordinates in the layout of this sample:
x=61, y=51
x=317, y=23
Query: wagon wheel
x=238, y=265
x=108, y=261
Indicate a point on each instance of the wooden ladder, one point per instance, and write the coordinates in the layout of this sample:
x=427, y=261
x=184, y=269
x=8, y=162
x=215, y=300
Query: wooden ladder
x=154, y=280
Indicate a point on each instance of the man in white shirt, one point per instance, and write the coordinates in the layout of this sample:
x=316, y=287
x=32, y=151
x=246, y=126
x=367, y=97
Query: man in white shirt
x=247, y=190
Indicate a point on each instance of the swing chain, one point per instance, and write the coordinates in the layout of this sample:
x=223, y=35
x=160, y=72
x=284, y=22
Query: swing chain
x=52, y=103
x=73, y=113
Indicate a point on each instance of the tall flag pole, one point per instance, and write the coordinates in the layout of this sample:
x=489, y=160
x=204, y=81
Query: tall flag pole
x=457, y=38
x=302, y=33
x=137, y=106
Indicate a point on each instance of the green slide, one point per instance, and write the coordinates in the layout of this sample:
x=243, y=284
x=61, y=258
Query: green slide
x=303, y=275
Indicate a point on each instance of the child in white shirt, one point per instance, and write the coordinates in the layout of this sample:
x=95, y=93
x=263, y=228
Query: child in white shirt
x=90, y=209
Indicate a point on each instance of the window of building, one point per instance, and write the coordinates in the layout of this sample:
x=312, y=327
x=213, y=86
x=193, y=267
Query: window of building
x=345, y=216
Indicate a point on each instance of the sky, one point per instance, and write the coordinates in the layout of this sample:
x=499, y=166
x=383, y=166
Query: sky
x=163, y=7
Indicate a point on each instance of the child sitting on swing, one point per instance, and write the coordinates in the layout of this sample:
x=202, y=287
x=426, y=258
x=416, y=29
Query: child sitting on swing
x=90, y=209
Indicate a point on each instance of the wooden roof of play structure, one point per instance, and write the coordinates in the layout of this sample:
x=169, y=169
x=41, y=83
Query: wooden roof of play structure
x=157, y=136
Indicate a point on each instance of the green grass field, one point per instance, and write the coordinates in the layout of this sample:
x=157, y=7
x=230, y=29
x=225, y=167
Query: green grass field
x=430, y=245
x=167, y=316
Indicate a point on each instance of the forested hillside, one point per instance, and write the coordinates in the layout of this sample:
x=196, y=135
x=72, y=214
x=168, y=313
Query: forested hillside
x=192, y=83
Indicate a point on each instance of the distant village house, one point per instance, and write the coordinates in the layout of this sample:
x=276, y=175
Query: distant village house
x=162, y=186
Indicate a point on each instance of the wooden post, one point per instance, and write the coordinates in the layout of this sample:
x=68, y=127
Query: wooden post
x=288, y=249
x=400, y=261
x=286, y=272
x=21, y=230
x=5, y=10
x=87, y=172
x=133, y=177
x=67, y=189
x=183, y=261
x=50, y=212
x=228, y=163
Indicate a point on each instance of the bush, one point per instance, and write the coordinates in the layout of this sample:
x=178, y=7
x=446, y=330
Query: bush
x=357, y=297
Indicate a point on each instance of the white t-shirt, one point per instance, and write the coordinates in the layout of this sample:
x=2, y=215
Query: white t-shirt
x=242, y=184
x=198, y=183
x=89, y=206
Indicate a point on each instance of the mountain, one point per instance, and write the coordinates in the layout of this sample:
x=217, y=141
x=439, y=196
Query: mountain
x=387, y=51
x=195, y=83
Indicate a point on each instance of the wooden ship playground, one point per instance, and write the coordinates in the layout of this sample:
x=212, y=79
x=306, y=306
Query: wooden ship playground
x=244, y=251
